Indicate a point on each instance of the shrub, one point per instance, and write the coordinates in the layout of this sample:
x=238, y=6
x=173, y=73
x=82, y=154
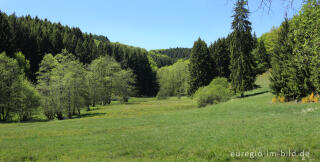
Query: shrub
x=310, y=98
x=281, y=99
x=305, y=100
x=274, y=99
x=217, y=91
x=316, y=98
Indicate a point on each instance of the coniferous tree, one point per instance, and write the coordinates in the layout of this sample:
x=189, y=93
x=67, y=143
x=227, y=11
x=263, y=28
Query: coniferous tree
x=241, y=63
x=201, y=66
x=5, y=33
x=220, y=52
x=282, y=53
x=35, y=37
x=262, y=59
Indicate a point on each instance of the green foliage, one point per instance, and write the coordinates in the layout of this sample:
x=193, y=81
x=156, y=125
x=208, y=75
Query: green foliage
x=23, y=63
x=100, y=38
x=160, y=59
x=106, y=78
x=295, y=61
x=62, y=84
x=5, y=34
x=220, y=52
x=174, y=53
x=100, y=79
x=283, y=51
x=217, y=91
x=28, y=102
x=270, y=40
x=173, y=80
x=262, y=59
x=123, y=85
x=201, y=67
x=153, y=64
x=137, y=60
x=10, y=81
x=35, y=37
x=242, y=62
x=44, y=78
x=17, y=94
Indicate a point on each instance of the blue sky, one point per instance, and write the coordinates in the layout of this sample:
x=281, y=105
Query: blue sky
x=151, y=24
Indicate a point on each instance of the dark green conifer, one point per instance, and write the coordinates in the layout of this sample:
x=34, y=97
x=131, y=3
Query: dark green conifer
x=242, y=62
x=201, y=66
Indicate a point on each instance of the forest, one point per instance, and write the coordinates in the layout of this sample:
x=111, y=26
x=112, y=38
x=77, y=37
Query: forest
x=69, y=90
x=63, y=70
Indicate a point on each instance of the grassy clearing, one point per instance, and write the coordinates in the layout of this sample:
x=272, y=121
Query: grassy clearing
x=147, y=129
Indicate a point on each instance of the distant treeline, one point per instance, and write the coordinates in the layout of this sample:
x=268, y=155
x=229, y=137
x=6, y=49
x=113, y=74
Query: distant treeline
x=175, y=53
x=35, y=37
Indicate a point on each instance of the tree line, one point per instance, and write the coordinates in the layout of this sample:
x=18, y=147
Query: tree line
x=175, y=53
x=64, y=86
x=35, y=37
x=239, y=58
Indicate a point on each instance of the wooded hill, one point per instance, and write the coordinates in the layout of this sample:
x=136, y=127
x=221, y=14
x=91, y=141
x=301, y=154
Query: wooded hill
x=35, y=37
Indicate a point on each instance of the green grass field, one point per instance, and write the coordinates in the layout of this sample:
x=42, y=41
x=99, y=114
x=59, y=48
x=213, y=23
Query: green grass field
x=147, y=129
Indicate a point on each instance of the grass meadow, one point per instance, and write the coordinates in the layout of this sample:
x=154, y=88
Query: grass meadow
x=147, y=129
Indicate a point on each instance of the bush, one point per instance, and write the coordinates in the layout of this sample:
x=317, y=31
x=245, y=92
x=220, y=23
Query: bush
x=274, y=100
x=310, y=98
x=217, y=91
x=281, y=99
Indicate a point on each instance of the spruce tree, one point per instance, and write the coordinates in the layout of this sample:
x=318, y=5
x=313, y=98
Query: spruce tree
x=5, y=33
x=220, y=52
x=241, y=63
x=201, y=66
x=283, y=50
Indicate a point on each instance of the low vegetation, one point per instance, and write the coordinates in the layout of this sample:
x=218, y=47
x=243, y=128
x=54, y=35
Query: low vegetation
x=219, y=90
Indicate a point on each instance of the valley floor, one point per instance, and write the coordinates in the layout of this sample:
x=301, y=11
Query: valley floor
x=147, y=129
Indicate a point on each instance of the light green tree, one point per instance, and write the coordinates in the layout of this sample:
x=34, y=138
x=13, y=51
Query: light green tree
x=46, y=66
x=10, y=86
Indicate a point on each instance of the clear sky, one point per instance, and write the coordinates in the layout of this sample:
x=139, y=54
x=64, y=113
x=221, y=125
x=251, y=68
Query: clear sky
x=151, y=24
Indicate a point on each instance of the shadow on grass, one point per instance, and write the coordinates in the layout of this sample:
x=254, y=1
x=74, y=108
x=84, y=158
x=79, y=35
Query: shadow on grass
x=37, y=120
x=255, y=86
x=89, y=115
x=29, y=121
x=253, y=94
x=132, y=103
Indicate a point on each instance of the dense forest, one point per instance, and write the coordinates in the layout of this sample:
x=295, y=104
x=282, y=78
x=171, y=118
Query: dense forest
x=63, y=70
x=35, y=38
x=175, y=53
